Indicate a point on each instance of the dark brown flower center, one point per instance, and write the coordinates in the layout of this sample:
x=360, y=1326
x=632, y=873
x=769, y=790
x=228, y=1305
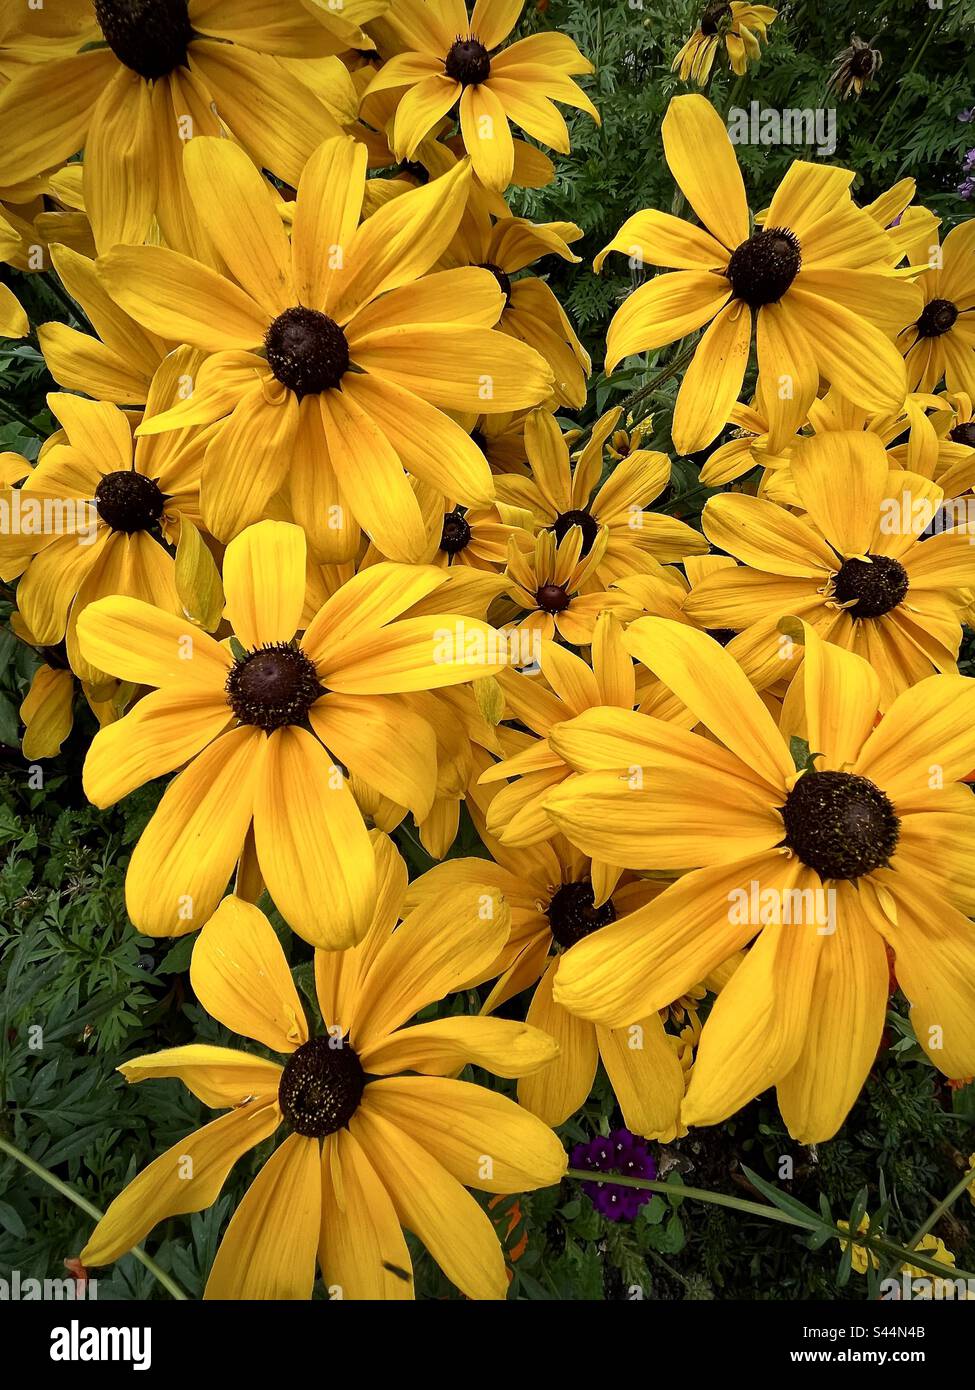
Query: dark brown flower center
x=273, y=686
x=937, y=318
x=468, y=61
x=127, y=501
x=572, y=916
x=148, y=36
x=964, y=434
x=862, y=63
x=456, y=533
x=712, y=18
x=871, y=587
x=321, y=1087
x=841, y=825
x=590, y=529
x=502, y=277
x=764, y=266
x=307, y=351
x=553, y=598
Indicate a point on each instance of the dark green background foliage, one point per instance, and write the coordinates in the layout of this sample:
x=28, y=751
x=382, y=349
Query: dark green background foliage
x=72, y=967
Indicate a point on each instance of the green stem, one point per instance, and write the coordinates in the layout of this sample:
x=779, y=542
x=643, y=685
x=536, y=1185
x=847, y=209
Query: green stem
x=73, y=309
x=936, y=20
x=627, y=404
x=878, y=1244
x=13, y=413
x=62, y=1187
x=961, y=1186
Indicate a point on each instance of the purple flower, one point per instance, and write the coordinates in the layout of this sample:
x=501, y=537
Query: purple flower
x=621, y=1152
x=967, y=116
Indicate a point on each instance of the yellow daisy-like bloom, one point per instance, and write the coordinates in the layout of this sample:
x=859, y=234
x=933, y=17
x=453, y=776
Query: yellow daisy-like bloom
x=452, y=62
x=871, y=843
x=260, y=725
x=860, y=1256
x=561, y=496
x=816, y=277
x=332, y=361
x=532, y=314
x=549, y=891
x=371, y=1150
x=101, y=514
x=144, y=76
x=854, y=566
x=119, y=364
x=47, y=712
x=742, y=27
x=940, y=342
x=555, y=590
x=516, y=815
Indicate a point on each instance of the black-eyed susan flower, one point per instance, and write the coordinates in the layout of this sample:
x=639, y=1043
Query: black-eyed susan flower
x=554, y=589
x=854, y=566
x=867, y=843
x=741, y=27
x=263, y=728
x=136, y=79
x=939, y=344
x=815, y=281
x=375, y=1136
x=455, y=61
x=854, y=67
x=332, y=359
x=564, y=687
x=561, y=496
x=549, y=891
x=102, y=513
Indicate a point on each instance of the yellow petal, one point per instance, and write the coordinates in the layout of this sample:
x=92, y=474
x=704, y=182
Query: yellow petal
x=182, y=864
x=264, y=579
x=712, y=382
x=558, y=1090
x=312, y=844
x=142, y=644
x=646, y=1075
x=241, y=977
x=487, y=137
x=502, y=1046
x=362, y=1251
x=221, y=1077
x=482, y=1138
x=432, y=1204
x=702, y=160
x=269, y=1248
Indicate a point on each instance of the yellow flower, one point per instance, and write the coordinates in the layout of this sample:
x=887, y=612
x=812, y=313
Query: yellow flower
x=555, y=588
x=260, y=728
x=132, y=81
x=561, y=496
x=935, y=1248
x=742, y=26
x=100, y=514
x=565, y=687
x=816, y=275
x=370, y=1149
x=331, y=356
x=940, y=342
x=451, y=60
x=855, y=566
x=821, y=867
x=549, y=891
x=971, y=1185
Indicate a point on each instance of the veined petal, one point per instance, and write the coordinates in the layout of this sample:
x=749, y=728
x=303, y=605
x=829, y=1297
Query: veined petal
x=264, y=581
x=240, y=976
x=269, y=1248
x=142, y=644
x=182, y=864
x=309, y=833
x=702, y=160
x=362, y=1250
